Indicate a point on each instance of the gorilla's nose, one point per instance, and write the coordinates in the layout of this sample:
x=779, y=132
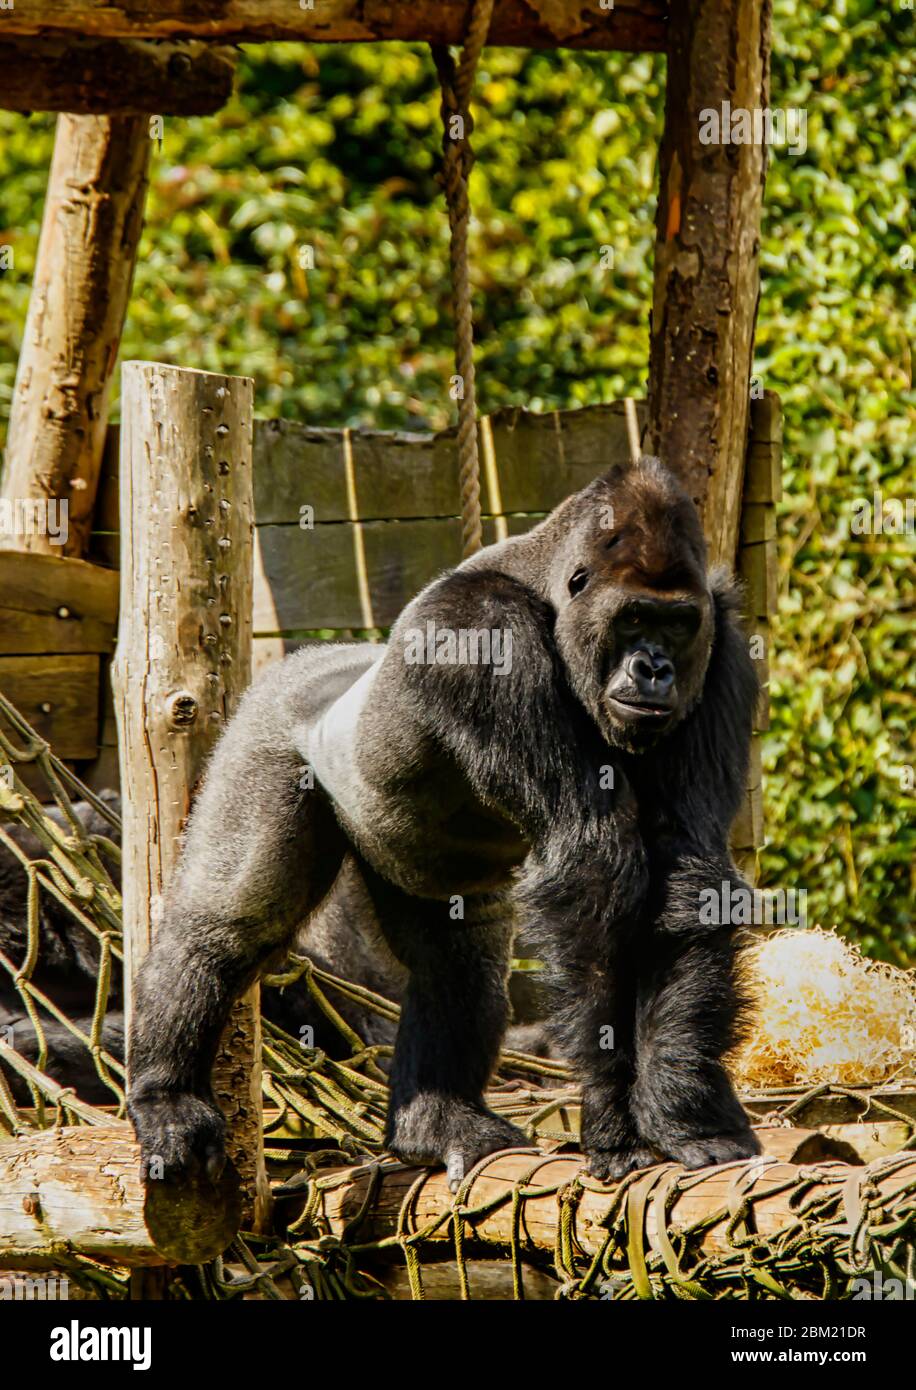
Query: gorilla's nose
x=651, y=673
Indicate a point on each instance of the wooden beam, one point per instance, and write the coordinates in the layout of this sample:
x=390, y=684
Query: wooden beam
x=632, y=25
x=706, y=258
x=112, y=77
x=89, y=236
x=182, y=663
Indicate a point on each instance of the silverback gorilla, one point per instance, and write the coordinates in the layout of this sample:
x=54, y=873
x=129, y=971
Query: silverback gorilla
x=583, y=785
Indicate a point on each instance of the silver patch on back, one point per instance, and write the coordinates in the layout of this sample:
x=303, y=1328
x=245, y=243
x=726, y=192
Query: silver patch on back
x=330, y=748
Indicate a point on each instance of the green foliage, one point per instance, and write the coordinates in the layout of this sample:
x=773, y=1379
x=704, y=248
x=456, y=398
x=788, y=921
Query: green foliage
x=336, y=149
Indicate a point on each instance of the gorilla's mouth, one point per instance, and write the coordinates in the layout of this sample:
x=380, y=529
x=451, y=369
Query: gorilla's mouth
x=639, y=711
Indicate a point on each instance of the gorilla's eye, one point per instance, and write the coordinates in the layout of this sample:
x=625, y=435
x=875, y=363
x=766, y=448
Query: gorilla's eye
x=578, y=581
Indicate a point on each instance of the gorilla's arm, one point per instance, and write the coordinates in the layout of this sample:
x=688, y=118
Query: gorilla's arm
x=690, y=1001
x=260, y=853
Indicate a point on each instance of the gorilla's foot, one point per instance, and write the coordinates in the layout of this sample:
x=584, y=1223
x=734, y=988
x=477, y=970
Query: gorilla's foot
x=705, y=1150
x=609, y=1165
x=434, y=1129
x=179, y=1134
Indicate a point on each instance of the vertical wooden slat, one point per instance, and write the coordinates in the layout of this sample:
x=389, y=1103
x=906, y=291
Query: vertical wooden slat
x=756, y=564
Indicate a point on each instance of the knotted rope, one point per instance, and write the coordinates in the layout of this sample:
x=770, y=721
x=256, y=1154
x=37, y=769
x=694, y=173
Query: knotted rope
x=457, y=81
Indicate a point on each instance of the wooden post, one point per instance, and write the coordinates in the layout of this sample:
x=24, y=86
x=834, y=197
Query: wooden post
x=182, y=662
x=706, y=257
x=89, y=235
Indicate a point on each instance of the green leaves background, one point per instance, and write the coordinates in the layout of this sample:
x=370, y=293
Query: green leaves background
x=337, y=148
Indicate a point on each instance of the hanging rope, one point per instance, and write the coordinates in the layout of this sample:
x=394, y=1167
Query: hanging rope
x=457, y=81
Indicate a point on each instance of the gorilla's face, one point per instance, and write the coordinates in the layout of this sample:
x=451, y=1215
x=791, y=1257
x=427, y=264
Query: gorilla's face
x=634, y=612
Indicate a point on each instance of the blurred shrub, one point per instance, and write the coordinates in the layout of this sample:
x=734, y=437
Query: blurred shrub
x=330, y=154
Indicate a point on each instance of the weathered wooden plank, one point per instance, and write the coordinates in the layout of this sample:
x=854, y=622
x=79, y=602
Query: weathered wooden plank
x=747, y=829
x=856, y=1103
x=311, y=576
x=632, y=25
x=758, y=522
x=759, y=646
x=59, y=696
x=111, y=77
x=764, y=464
x=758, y=567
x=52, y=604
x=540, y=459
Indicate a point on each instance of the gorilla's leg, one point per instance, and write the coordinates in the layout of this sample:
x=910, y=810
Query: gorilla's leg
x=453, y=1018
x=689, y=1010
x=260, y=854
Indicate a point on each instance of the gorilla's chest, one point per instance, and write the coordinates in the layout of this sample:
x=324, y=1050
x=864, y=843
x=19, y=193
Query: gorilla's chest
x=413, y=817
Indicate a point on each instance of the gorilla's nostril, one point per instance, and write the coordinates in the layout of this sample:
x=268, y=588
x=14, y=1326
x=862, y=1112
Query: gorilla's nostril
x=652, y=673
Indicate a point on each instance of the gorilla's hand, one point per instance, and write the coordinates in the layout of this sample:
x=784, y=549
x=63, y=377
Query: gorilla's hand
x=434, y=1130
x=179, y=1134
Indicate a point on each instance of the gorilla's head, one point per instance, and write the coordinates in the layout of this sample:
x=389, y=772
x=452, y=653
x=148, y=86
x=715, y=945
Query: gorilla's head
x=635, y=617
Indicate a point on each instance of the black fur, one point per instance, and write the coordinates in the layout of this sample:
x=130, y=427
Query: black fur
x=584, y=788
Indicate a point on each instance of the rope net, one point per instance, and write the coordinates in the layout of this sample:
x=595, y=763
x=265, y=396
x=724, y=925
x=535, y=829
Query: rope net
x=347, y=1218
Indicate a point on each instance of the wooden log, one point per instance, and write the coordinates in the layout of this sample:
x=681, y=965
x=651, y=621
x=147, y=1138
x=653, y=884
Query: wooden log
x=632, y=25
x=114, y=78
x=182, y=663
x=706, y=258
x=78, y=1190
x=346, y=1192
x=89, y=236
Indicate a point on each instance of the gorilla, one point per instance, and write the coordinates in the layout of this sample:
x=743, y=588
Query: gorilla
x=556, y=733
